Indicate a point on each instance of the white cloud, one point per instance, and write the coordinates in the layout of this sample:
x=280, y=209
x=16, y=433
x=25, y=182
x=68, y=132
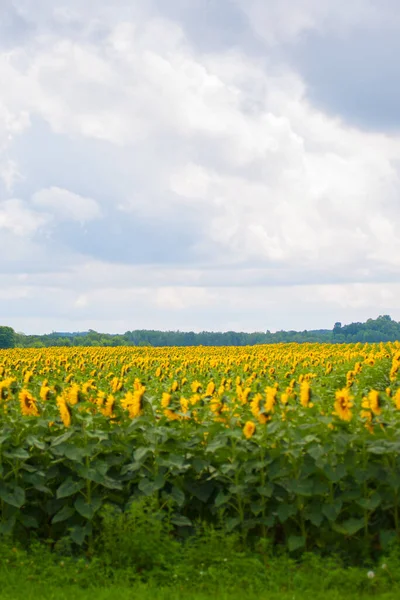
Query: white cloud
x=278, y=21
x=12, y=123
x=9, y=173
x=182, y=297
x=276, y=192
x=248, y=308
x=65, y=205
x=81, y=301
x=19, y=219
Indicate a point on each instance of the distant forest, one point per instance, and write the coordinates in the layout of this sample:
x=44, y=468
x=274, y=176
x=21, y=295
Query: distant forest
x=382, y=329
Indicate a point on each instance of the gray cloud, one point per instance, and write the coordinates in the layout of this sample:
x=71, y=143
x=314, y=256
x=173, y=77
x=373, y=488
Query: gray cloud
x=354, y=76
x=346, y=53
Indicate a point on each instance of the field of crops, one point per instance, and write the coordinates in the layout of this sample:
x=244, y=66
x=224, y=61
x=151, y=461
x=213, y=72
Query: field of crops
x=300, y=443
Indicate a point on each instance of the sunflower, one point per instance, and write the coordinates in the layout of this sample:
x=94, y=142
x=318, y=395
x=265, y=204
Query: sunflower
x=166, y=399
x=397, y=399
x=343, y=404
x=132, y=402
x=28, y=404
x=195, y=386
x=65, y=413
x=210, y=388
x=305, y=394
x=373, y=398
x=249, y=429
x=256, y=410
x=270, y=393
x=44, y=392
x=109, y=406
x=284, y=398
x=73, y=394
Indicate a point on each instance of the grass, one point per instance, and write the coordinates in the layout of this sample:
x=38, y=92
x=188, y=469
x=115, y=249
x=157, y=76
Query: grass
x=15, y=587
x=37, y=572
x=136, y=557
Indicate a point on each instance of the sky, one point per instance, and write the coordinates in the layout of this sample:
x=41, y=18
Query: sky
x=198, y=164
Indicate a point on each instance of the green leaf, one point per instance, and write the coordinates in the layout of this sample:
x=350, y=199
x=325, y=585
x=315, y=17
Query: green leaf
x=74, y=453
x=178, y=495
x=285, y=511
x=199, y=465
x=65, y=513
x=79, y=534
x=141, y=453
x=221, y=499
x=302, y=487
x=314, y=515
x=32, y=440
x=85, y=509
x=4, y=438
x=266, y=490
x=6, y=527
x=321, y=488
x=175, y=460
x=18, y=453
x=28, y=468
x=268, y=521
x=349, y=527
x=387, y=536
x=350, y=494
x=110, y=483
x=231, y=523
x=181, y=521
x=227, y=469
x=202, y=491
x=316, y=452
x=217, y=443
x=272, y=427
x=361, y=475
x=370, y=503
x=62, y=438
x=295, y=542
x=394, y=481
x=69, y=487
x=131, y=468
x=377, y=448
x=14, y=497
x=335, y=474
x=43, y=488
x=149, y=487
x=29, y=521
x=332, y=511
x=237, y=490
x=256, y=508
x=97, y=474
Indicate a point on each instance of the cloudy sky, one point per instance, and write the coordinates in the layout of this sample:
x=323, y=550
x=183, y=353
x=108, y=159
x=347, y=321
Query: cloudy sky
x=198, y=164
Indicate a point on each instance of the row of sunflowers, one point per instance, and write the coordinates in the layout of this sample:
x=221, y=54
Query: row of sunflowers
x=297, y=442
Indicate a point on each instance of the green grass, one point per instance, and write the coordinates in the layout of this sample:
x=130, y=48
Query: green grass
x=15, y=588
x=137, y=557
x=40, y=573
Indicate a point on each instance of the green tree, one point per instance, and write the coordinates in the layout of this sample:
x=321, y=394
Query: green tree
x=7, y=337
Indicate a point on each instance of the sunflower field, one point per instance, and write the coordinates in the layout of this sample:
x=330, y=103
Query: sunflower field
x=299, y=443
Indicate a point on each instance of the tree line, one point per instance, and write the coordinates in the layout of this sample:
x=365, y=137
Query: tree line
x=382, y=329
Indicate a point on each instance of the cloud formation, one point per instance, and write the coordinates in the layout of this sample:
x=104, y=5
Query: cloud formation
x=150, y=178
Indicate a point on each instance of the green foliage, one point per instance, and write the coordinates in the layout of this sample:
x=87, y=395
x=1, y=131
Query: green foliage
x=304, y=481
x=382, y=329
x=7, y=337
x=210, y=564
x=303, y=485
x=138, y=538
